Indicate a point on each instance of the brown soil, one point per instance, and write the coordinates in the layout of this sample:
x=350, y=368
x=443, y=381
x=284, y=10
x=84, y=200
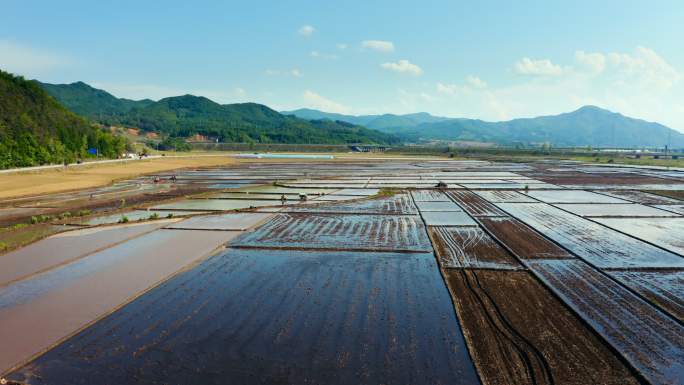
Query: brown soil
x=522, y=240
x=602, y=179
x=518, y=333
x=676, y=194
x=470, y=247
x=473, y=204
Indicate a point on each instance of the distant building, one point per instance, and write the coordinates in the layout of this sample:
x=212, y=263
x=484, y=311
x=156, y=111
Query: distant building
x=367, y=148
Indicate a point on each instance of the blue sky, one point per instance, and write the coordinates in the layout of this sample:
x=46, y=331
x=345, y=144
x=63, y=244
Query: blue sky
x=481, y=59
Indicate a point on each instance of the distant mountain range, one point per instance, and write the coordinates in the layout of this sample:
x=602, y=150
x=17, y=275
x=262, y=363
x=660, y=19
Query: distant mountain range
x=389, y=122
x=187, y=115
x=587, y=126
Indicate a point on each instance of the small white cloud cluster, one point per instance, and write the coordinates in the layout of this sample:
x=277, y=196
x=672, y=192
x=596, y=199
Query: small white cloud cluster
x=295, y=72
x=321, y=55
x=316, y=101
x=378, y=45
x=403, y=66
x=543, y=67
x=644, y=67
x=471, y=83
x=306, y=30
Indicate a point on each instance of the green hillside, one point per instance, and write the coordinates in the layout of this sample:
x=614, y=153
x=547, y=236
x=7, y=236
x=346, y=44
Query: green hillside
x=184, y=116
x=35, y=129
x=90, y=102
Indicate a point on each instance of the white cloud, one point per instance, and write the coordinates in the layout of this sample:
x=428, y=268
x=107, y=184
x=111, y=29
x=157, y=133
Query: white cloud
x=449, y=89
x=321, y=55
x=476, y=82
x=640, y=84
x=306, y=30
x=316, y=101
x=543, y=67
x=646, y=67
x=593, y=62
x=295, y=72
x=30, y=62
x=403, y=66
x=378, y=45
x=342, y=46
x=471, y=83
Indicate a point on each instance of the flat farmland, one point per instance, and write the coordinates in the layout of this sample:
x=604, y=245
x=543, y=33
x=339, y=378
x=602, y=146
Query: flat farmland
x=366, y=272
x=257, y=316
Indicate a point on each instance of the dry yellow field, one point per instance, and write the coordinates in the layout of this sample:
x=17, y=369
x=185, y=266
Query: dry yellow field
x=74, y=178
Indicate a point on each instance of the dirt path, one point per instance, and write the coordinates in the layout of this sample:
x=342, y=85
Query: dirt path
x=52, y=181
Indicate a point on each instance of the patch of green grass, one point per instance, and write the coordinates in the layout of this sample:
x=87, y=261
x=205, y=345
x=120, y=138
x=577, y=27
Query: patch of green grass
x=12, y=238
x=387, y=192
x=676, y=194
x=40, y=219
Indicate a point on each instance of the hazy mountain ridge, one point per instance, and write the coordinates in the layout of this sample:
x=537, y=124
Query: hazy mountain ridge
x=587, y=126
x=384, y=122
x=187, y=115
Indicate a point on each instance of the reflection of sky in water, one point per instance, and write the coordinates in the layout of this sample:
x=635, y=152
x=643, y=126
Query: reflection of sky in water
x=29, y=289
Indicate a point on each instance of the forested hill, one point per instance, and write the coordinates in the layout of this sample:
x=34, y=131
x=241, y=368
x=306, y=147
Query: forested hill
x=184, y=116
x=90, y=102
x=35, y=129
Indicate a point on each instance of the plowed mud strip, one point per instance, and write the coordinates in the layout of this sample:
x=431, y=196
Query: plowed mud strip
x=591, y=319
x=525, y=261
x=311, y=230
x=536, y=368
x=470, y=247
x=605, y=272
x=474, y=204
x=632, y=199
x=529, y=337
x=399, y=204
x=650, y=340
x=592, y=242
x=616, y=230
x=665, y=288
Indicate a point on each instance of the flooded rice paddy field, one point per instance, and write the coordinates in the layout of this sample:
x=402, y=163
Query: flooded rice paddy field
x=357, y=272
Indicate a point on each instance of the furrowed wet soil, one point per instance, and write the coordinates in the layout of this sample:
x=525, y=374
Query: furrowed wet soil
x=519, y=333
x=255, y=316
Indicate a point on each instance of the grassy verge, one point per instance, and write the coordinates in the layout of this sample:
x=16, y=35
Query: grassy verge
x=630, y=161
x=15, y=237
